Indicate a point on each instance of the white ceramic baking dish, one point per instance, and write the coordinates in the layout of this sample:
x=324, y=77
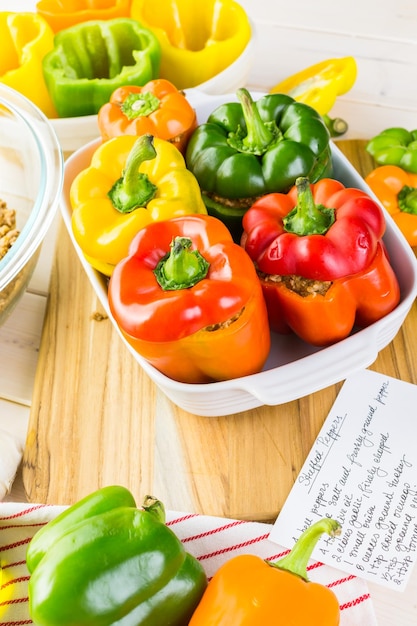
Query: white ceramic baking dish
x=294, y=369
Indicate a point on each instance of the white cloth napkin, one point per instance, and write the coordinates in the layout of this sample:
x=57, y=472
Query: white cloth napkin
x=212, y=540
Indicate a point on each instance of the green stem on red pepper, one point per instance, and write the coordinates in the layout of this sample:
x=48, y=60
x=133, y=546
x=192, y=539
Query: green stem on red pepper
x=140, y=105
x=307, y=217
x=134, y=189
x=407, y=200
x=260, y=135
x=297, y=560
x=182, y=267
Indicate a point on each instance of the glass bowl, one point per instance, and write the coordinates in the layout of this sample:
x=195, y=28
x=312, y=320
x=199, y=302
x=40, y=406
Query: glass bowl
x=31, y=176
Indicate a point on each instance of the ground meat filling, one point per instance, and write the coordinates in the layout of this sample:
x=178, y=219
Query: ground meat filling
x=8, y=230
x=302, y=286
x=225, y=324
x=232, y=203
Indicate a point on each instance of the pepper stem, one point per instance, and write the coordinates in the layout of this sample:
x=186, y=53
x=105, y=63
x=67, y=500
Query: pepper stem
x=134, y=189
x=336, y=126
x=297, y=560
x=407, y=200
x=155, y=507
x=259, y=135
x=140, y=105
x=182, y=267
x=307, y=217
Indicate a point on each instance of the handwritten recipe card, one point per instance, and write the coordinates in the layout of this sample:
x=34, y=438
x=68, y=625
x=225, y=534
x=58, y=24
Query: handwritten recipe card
x=362, y=472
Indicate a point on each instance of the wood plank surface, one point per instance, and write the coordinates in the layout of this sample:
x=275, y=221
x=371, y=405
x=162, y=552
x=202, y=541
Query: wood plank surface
x=96, y=418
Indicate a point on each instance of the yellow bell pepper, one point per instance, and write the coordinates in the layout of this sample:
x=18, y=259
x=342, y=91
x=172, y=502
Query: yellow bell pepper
x=198, y=39
x=25, y=39
x=319, y=86
x=130, y=183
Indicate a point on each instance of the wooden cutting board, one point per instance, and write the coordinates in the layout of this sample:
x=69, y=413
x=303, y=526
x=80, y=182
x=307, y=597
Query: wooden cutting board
x=97, y=418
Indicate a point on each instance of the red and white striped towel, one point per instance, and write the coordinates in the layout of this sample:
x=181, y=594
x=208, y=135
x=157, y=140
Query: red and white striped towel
x=213, y=540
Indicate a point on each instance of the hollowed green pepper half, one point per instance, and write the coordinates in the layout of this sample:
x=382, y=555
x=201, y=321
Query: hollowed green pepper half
x=103, y=561
x=92, y=59
x=395, y=146
x=247, y=149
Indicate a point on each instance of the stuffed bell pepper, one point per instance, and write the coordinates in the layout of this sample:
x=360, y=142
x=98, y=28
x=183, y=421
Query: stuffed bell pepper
x=321, y=260
x=105, y=561
x=198, y=39
x=158, y=108
x=131, y=181
x=188, y=300
x=91, y=59
x=396, y=189
x=247, y=149
x=248, y=591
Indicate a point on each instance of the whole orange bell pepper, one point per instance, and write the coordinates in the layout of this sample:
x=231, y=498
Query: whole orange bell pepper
x=188, y=300
x=396, y=189
x=248, y=591
x=157, y=108
x=61, y=15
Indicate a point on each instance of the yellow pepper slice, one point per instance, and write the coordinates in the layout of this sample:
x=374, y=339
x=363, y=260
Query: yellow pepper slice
x=198, y=39
x=25, y=39
x=104, y=221
x=319, y=85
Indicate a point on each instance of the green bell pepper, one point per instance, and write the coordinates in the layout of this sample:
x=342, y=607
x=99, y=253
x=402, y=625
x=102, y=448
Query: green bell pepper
x=247, y=149
x=105, y=562
x=91, y=59
x=395, y=146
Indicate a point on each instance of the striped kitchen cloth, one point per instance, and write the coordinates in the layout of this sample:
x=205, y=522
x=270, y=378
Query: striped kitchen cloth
x=213, y=540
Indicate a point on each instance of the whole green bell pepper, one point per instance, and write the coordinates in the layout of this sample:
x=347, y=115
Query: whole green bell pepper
x=92, y=59
x=395, y=146
x=105, y=562
x=247, y=149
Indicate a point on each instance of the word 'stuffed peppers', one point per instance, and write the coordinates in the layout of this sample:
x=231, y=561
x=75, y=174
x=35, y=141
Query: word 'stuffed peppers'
x=247, y=149
x=104, y=561
x=248, y=591
x=158, y=108
x=321, y=261
x=131, y=181
x=91, y=59
x=25, y=39
x=198, y=39
x=188, y=300
x=61, y=15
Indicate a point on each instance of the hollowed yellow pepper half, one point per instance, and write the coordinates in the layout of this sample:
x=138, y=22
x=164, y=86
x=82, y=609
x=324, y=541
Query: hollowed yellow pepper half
x=198, y=39
x=25, y=39
x=319, y=85
x=130, y=183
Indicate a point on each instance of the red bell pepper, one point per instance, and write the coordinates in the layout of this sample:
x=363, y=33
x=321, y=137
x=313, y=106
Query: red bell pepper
x=187, y=298
x=158, y=108
x=321, y=261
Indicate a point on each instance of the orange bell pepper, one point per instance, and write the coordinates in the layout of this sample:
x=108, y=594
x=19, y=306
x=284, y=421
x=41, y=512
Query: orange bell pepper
x=248, y=591
x=157, y=108
x=188, y=300
x=396, y=189
x=61, y=15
